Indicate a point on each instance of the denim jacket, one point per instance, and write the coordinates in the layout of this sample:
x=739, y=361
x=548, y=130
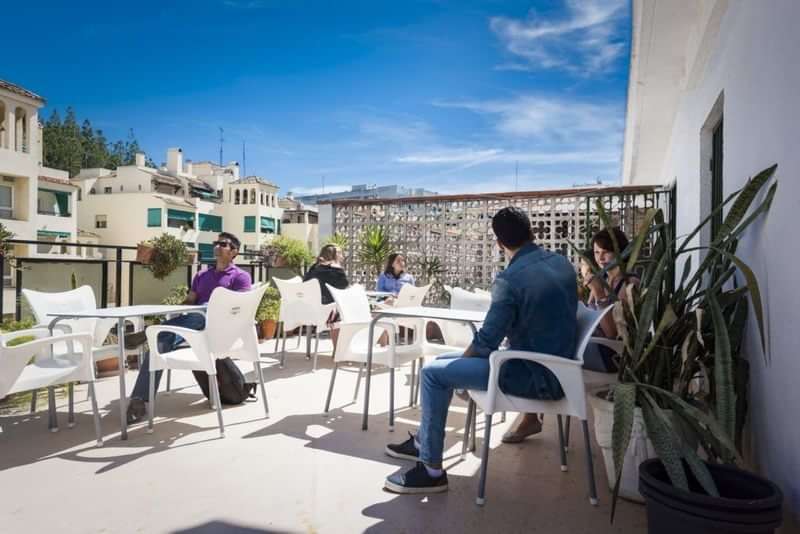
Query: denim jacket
x=387, y=282
x=534, y=305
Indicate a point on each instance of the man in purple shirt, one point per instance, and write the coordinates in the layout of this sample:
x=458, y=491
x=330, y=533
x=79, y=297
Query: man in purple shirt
x=224, y=274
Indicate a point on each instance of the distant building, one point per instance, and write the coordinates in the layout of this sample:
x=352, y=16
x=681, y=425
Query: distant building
x=367, y=192
x=193, y=202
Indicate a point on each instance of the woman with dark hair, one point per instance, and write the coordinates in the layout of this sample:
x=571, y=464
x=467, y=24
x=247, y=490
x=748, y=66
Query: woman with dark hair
x=328, y=270
x=394, y=277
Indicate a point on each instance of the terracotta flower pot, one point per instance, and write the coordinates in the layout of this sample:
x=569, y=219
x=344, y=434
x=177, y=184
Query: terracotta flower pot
x=107, y=367
x=280, y=261
x=145, y=253
x=267, y=329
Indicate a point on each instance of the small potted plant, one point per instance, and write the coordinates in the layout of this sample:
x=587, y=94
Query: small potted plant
x=162, y=255
x=267, y=313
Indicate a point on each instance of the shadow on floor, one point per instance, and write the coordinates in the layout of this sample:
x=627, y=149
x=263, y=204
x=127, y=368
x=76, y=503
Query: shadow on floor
x=223, y=527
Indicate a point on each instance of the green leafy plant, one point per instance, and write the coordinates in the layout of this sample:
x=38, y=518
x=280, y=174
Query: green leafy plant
x=169, y=254
x=269, y=307
x=293, y=251
x=682, y=330
x=6, y=247
x=339, y=240
x=374, y=248
x=176, y=296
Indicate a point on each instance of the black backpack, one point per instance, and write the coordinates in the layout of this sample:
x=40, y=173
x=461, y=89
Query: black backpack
x=233, y=389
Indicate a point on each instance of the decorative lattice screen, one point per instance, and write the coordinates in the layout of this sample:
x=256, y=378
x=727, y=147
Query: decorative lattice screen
x=457, y=230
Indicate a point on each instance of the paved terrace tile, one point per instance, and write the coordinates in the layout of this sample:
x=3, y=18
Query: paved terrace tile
x=298, y=471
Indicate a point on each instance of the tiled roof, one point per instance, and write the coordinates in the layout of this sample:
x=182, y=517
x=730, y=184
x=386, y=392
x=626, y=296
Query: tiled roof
x=8, y=86
x=253, y=180
x=56, y=181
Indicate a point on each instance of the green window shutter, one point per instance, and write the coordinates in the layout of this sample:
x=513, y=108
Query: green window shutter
x=51, y=233
x=154, y=217
x=249, y=223
x=267, y=225
x=180, y=215
x=206, y=251
x=210, y=223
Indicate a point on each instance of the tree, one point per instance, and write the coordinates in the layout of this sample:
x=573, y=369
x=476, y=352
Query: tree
x=71, y=143
x=51, y=139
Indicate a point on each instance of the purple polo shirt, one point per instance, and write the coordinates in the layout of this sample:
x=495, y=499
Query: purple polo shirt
x=232, y=278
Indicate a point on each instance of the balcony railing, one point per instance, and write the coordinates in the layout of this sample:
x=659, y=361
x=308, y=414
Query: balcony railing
x=108, y=273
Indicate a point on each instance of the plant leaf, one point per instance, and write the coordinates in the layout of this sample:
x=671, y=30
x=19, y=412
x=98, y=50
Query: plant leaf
x=640, y=238
x=725, y=396
x=663, y=438
x=624, y=407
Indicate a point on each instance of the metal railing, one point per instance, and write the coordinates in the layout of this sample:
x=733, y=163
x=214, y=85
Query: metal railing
x=108, y=275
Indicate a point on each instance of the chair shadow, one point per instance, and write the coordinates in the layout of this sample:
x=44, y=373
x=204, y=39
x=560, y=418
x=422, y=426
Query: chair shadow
x=76, y=442
x=224, y=527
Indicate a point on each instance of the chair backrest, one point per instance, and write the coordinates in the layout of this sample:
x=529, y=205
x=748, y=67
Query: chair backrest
x=588, y=321
x=479, y=291
x=352, y=303
x=461, y=299
x=230, y=323
x=299, y=302
x=411, y=296
x=80, y=299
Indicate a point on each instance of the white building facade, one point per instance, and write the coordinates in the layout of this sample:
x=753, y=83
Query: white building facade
x=712, y=100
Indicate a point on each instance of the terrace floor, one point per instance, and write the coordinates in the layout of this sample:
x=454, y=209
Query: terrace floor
x=298, y=471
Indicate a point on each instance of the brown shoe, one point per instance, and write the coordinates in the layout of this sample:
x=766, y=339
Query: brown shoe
x=529, y=426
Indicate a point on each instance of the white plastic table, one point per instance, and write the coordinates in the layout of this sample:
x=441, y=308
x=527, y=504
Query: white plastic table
x=120, y=314
x=419, y=312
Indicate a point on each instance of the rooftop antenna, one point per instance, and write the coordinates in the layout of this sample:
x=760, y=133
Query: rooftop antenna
x=221, y=140
x=516, y=175
x=244, y=158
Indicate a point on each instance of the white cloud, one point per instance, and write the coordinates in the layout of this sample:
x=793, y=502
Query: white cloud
x=449, y=156
x=549, y=118
x=586, y=42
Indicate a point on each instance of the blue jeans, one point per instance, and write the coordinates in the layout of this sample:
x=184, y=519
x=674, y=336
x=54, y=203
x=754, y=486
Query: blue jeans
x=439, y=379
x=166, y=342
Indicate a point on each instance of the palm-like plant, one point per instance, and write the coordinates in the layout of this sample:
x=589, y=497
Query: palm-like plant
x=374, y=247
x=682, y=337
x=339, y=240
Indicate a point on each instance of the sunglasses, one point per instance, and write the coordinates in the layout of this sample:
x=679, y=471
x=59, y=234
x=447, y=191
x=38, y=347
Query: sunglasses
x=224, y=244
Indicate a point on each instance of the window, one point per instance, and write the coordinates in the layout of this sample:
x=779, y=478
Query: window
x=180, y=219
x=6, y=202
x=107, y=190
x=206, y=252
x=79, y=194
x=267, y=225
x=52, y=202
x=92, y=191
x=252, y=196
x=121, y=188
x=154, y=217
x=100, y=221
x=249, y=223
x=237, y=201
x=716, y=178
x=209, y=223
x=140, y=187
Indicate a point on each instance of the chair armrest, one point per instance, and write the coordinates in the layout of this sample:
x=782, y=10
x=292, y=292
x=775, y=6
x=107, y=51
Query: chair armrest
x=567, y=371
x=46, y=340
x=354, y=327
x=196, y=339
x=38, y=332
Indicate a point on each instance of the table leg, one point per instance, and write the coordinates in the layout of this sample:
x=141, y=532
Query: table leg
x=71, y=408
x=52, y=421
x=123, y=408
x=371, y=340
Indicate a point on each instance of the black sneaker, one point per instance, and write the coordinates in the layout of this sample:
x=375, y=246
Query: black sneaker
x=405, y=451
x=137, y=409
x=416, y=480
x=135, y=340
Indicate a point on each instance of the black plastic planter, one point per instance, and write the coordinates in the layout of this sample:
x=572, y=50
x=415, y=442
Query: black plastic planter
x=747, y=503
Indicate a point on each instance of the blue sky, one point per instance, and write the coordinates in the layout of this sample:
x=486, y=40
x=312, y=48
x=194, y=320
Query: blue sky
x=449, y=96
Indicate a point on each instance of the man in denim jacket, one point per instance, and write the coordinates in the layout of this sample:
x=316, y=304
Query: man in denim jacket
x=534, y=305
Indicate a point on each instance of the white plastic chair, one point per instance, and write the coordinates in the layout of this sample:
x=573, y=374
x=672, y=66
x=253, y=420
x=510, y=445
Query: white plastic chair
x=279, y=326
x=46, y=370
x=352, y=344
x=570, y=375
x=83, y=298
x=229, y=332
x=458, y=334
x=301, y=306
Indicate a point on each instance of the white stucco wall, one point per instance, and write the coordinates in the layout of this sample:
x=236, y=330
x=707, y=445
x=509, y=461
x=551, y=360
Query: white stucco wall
x=752, y=59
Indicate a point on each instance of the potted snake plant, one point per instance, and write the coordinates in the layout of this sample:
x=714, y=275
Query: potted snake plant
x=683, y=376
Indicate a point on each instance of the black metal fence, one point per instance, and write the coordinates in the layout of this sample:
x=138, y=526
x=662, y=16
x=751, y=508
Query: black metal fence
x=114, y=269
